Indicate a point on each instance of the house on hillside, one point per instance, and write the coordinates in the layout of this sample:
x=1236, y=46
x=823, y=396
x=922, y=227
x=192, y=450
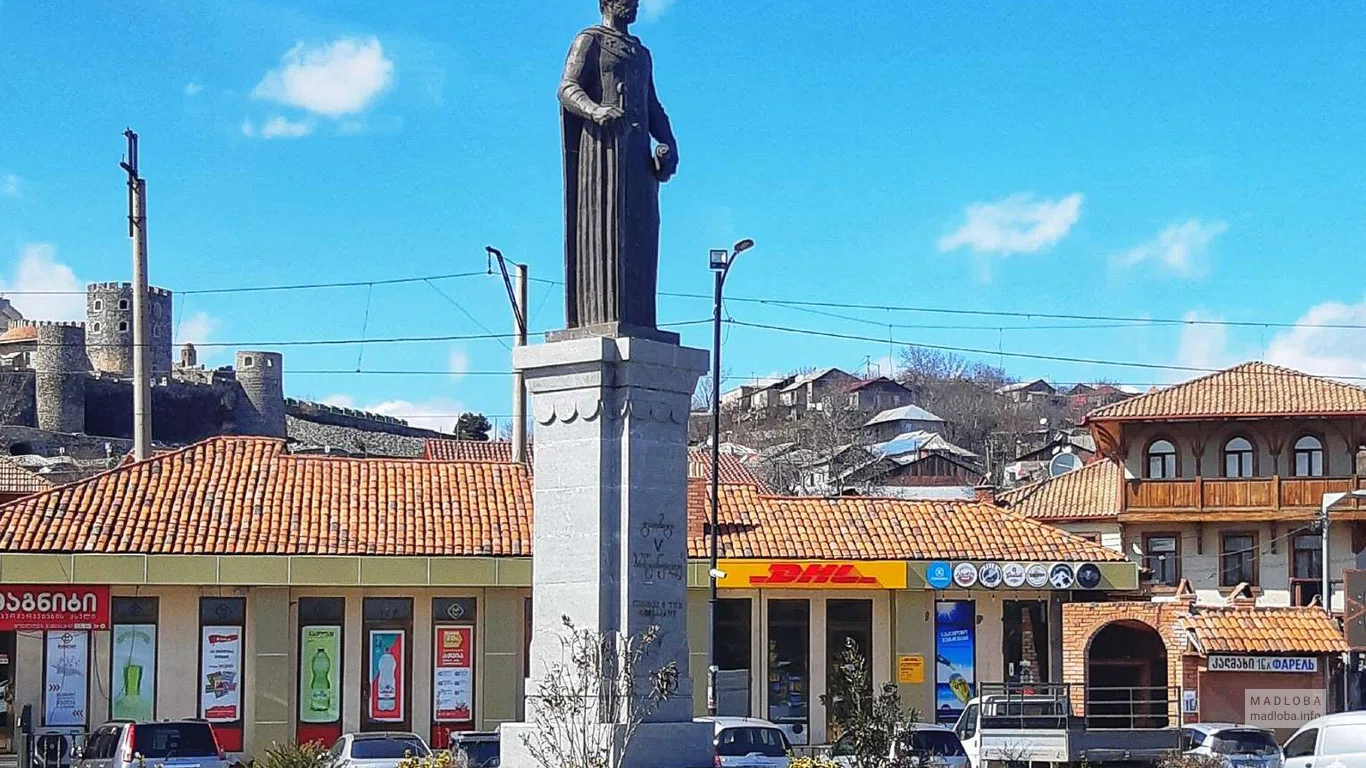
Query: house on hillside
x=1088, y=397
x=1034, y=391
x=879, y=394
x=809, y=392
x=899, y=421
x=1066, y=450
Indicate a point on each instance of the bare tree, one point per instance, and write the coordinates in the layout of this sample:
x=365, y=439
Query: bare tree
x=589, y=705
x=816, y=452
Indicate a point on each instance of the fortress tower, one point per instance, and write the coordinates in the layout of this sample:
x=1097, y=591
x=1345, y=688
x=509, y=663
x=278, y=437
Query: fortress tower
x=59, y=367
x=262, y=411
x=109, y=328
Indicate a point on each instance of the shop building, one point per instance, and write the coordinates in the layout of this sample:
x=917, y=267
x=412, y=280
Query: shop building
x=1208, y=657
x=286, y=597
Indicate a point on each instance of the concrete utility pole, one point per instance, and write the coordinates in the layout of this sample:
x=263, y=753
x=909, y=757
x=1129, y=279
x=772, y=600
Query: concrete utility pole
x=517, y=297
x=137, y=230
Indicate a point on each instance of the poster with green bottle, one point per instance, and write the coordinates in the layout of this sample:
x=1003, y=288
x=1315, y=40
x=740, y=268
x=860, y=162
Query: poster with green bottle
x=320, y=675
x=135, y=667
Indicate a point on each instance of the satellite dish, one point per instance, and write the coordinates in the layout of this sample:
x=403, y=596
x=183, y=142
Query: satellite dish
x=1063, y=463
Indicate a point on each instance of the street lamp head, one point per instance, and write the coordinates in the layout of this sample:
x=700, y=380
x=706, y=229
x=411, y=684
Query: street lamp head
x=743, y=245
x=720, y=258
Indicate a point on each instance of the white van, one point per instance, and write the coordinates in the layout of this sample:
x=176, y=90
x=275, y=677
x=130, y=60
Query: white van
x=1332, y=740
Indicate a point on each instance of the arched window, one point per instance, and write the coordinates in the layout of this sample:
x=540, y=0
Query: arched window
x=1238, y=458
x=99, y=305
x=1162, y=460
x=1308, y=457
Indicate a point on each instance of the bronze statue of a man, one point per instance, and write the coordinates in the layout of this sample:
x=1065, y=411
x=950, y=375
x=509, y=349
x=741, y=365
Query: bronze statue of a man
x=612, y=173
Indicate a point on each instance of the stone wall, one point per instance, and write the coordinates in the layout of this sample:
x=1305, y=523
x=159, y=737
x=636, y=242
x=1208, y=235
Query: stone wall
x=109, y=327
x=181, y=412
x=59, y=366
x=1082, y=621
x=261, y=410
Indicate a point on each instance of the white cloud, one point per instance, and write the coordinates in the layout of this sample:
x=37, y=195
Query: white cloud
x=653, y=9
x=278, y=127
x=1338, y=352
x=1203, y=345
x=11, y=185
x=44, y=288
x=340, y=78
x=458, y=363
x=1180, y=249
x=196, y=329
x=193, y=89
x=437, y=413
x=1017, y=224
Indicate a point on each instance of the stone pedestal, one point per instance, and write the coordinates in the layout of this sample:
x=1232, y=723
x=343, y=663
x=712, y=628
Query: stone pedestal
x=611, y=530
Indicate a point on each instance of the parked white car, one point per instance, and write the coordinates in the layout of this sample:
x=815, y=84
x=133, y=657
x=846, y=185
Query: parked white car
x=748, y=742
x=376, y=750
x=932, y=745
x=1332, y=740
x=1238, y=746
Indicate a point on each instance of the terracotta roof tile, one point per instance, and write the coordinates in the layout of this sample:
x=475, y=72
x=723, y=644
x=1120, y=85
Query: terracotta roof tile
x=17, y=479
x=1266, y=630
x=468, y=450
x=756, y=525
x=1089, y=493
x=239, y=495
x=1250, y=389
x=247, y=495
x=19, y=333
x=734, y=470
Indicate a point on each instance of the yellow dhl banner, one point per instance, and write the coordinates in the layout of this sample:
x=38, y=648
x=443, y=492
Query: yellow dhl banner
x=812, y=574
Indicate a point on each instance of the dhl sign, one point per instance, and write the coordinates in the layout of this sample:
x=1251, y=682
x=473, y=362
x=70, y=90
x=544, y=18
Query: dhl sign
x=812, y=574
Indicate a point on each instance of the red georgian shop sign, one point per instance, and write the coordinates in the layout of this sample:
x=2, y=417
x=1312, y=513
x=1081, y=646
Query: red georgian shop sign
x=53, y=607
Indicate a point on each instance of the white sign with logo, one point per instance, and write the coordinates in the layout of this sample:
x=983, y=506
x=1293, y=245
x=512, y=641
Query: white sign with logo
x=1013, y=574
x=67, y=681
x=965, y=575
x=1263, y=664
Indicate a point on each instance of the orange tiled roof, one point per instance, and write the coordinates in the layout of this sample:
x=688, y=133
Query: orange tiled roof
x=1088, y=493
x=17, y=479
x=468, y=450
x=754, y=525
x=19, y=333
x=247, y=495
x=1250, y=389
x=243, y=495
x=733, y=468
x=1266, y=630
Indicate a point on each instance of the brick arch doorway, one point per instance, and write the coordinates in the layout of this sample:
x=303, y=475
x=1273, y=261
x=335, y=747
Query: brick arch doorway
x=1126, y=677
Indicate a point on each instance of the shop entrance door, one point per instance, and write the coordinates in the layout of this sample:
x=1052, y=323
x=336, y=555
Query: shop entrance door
x=7, y=743
x=789, y=659
x=1026, y=641
x=846, y=622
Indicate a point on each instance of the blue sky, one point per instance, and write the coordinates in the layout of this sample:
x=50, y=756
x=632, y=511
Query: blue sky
x=1141, y=159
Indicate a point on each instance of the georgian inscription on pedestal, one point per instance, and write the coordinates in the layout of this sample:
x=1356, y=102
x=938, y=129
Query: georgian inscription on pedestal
x=656, y=555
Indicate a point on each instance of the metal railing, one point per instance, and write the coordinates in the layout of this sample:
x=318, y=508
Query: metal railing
x=1132, y=708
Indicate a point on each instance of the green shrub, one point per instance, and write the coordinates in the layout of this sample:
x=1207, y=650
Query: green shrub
x=310, y=755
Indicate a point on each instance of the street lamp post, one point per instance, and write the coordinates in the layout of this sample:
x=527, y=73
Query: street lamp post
x=721, y=261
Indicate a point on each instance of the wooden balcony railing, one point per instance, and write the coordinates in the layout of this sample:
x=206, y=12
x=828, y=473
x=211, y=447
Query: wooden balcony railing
x=1255, y=493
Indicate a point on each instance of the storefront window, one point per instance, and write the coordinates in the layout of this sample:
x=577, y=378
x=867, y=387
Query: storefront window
x=734, y=631
x=66, y=679
x=846, y=621
x=789, y=662
x=133, y=657
x=955, y=649
x=222, y=634
x=452, y=668
x=388, y=663
x=322, y=631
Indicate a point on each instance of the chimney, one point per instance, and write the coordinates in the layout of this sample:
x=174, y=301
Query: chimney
x=984, y=494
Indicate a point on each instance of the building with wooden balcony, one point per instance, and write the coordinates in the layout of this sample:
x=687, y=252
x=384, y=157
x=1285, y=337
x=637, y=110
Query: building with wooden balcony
x=1219, y=481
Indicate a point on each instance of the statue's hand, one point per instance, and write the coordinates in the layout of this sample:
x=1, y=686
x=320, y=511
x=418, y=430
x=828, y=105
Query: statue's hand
x=666, y=162
x=603, y=114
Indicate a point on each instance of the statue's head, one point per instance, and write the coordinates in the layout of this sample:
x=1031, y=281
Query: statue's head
x=625, y=10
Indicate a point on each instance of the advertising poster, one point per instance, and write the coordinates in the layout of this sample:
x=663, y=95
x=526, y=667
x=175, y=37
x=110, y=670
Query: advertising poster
x=66, y=679
x=220, y=674
x=135, y=672
x=453, y=672
x=955, y=649
x=320, y=675
x=387, y=669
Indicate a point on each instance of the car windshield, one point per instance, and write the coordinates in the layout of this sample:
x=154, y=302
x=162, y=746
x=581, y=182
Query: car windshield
x=387, y=748
x=937, y=744
x=738, y=742
x=481, y=754
x=1248, y=742
x=163, y=740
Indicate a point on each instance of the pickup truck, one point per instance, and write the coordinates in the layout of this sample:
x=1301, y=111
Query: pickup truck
x=1011, y=726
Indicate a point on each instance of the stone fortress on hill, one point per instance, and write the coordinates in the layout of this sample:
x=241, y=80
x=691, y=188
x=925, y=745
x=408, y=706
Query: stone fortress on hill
x=66, y=390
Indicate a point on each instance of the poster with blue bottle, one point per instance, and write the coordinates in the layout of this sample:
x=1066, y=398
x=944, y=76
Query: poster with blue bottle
x=955, y=649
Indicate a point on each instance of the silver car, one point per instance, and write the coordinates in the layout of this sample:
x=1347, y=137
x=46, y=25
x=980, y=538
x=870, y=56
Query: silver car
x=1237, y=746
x=376, y=750
x=166, y=744
x=748, y=742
